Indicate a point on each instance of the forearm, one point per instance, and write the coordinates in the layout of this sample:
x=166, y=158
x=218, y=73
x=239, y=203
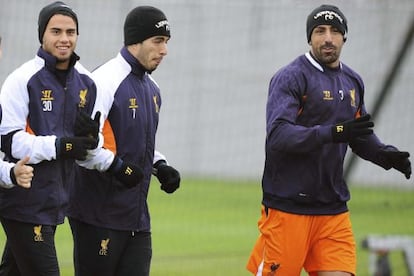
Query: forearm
x=98, y=159
x=287, y=137
x=21, y=144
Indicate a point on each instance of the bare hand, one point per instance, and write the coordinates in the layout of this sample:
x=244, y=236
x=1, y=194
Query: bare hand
x=23, y=173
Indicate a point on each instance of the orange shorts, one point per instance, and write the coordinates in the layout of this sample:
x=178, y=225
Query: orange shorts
x=290, y=242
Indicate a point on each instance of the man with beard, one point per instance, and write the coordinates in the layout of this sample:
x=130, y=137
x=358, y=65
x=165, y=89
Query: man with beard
x=315, y=110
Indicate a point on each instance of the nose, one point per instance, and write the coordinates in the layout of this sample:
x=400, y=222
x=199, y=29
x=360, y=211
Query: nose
x=328, y=36
x=164, y=49
x=64, y=37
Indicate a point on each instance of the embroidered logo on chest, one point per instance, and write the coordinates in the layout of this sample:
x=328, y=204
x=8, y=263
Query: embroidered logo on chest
x=157, y=108
x=47, y=100
x=82, y=97
x=327, y=95
x=352, y=95
x=133, y=106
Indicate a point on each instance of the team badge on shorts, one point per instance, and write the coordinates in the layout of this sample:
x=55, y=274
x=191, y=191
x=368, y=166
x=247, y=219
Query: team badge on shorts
x=104, y=247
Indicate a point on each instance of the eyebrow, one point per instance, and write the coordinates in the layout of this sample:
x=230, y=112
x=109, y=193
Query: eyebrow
x=59, y=29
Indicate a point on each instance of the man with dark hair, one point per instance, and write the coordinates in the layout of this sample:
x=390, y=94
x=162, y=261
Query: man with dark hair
x=111, y=223
x=40, y=101
x=315, y=110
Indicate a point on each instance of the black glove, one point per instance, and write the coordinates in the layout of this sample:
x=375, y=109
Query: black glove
x=398, y=160
x=85, y=126
x=74, y=147
x=129, y=174
x=347, y=131
x=167, y=176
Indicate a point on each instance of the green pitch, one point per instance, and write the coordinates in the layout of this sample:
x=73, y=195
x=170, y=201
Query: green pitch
x=209, y=227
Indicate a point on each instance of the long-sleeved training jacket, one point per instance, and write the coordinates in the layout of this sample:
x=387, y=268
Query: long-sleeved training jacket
x=5, y=180
x=37, y=108
x=129, y=101
x=303, y=171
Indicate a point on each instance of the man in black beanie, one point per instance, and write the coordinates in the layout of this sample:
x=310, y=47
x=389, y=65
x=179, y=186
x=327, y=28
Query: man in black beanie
x=48, y=11
x=326, y=15
x=39, y=103
x=315, y=110
x=144, y=22
x=111, y=225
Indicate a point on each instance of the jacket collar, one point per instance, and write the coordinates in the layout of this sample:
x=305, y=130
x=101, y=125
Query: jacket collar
x=51, y=61
x=319, y=66
x=136, y=67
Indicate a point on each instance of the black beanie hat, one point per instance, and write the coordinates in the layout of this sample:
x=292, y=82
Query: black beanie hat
x=144, y=22
x=326, y=15
x=50, y=10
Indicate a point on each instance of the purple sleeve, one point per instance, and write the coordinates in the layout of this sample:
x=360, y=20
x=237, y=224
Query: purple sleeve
x=369, y=148
x=284, y=100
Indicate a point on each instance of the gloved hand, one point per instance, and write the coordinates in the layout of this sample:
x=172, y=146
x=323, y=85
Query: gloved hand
x=167, y=176
x=129, y=174
x=347, y=131
x=85, y=126
x=74, y=147
x=398, y=160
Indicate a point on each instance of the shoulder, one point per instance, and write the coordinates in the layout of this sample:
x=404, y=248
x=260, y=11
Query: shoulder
x=109, y=76
x=84, y=74
x=115, y=67
x=21, y=76
x=81, y=69
x=350, y=72
x=110, y=71
x=298, y=67
x=27, y=69
x=294, y=73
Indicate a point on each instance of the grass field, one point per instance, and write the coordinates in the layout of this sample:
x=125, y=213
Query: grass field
x=209, y=227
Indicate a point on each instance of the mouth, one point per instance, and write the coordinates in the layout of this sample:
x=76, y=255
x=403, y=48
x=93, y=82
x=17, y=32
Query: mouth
x=328, y=48
x=158, y=60
x=63, y=49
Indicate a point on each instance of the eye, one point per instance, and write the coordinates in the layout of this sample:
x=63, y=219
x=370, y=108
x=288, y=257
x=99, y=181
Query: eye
x=319, y=30
x=159, y=40
x=54, y=31
x=336, y=30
